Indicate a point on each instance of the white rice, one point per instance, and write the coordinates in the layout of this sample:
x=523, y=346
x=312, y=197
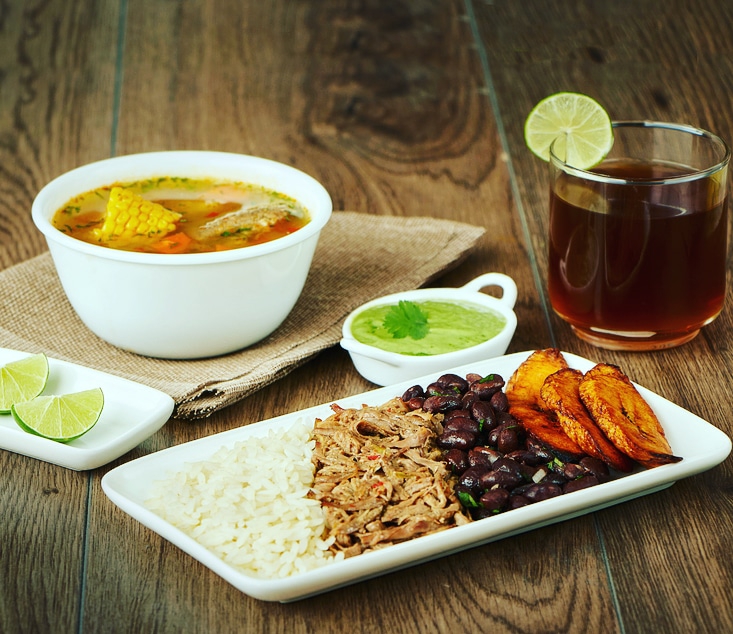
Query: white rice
x=248, y=505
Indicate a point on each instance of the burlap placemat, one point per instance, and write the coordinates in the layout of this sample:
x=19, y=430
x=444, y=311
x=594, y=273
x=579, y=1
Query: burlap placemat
x=359, y=257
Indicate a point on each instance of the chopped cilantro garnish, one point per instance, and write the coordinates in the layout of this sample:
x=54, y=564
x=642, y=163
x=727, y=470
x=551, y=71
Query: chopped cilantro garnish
x=467, y=499
x=406, y=319
x=555, y=464
x=228, y=233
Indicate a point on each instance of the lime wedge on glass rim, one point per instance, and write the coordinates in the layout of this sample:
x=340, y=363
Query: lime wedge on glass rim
x=580, y=124
x=22, y=380
x=61, y=418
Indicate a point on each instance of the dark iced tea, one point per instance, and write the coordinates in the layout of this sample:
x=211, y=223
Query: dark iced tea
x=637, y=265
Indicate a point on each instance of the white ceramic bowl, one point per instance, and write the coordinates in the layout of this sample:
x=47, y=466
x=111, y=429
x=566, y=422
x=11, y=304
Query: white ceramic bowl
x=384, y=368
x=184, y=306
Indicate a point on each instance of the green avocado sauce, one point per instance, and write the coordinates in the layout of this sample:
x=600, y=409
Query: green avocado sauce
x=451, y=326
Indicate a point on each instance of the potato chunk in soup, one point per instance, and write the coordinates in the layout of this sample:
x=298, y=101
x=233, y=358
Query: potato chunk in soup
x=200, y=215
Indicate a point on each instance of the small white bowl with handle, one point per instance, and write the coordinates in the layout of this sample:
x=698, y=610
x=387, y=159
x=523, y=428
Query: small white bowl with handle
x=383, y=367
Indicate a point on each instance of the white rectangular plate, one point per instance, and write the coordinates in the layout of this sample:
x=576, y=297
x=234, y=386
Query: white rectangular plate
x=132, y=412
x=700, y=444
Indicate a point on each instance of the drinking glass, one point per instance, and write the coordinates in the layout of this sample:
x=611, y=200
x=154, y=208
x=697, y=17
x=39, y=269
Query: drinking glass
x=638, y=243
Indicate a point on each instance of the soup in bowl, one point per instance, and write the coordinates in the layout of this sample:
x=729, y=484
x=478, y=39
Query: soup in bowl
x=180, y=215
x=184, y=254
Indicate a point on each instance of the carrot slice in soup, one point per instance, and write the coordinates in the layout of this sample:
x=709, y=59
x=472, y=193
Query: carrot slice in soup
x=174, y=243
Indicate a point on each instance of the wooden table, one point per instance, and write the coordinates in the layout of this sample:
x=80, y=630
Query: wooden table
x=402, y=107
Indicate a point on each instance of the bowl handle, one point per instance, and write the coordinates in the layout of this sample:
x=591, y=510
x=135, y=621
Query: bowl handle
x=506, y=283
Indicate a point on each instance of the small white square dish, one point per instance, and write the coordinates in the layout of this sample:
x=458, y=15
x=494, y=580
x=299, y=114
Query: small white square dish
x=700, y=444
x=132, y=412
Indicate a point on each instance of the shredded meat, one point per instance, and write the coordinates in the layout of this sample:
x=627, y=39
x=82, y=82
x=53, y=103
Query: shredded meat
x=380, y=478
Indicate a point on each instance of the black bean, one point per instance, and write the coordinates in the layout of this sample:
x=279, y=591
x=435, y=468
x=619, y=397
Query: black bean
x=415, y=391
x=457, y=439
x=554, y=477
x=542, y=491
x=484, y=414
x=521, y=489
x=452, y=383
x=507, y=440
x=433, y=390
x=493, y=436
x=504, y=479
x=471, y=479
x=487, y=386
x=526, y=457
x=505, y=418
x=416, y=403
x=483, y=456
x=517, y=501
x=494, y=500
x=468, y=399
x=457, y=460
x=573, y=471
x=526, y=471
x=486, y=389
x=597, y=467
x=457, y=413
x=500, y=402
x=442, y=404
x=508, y=465
x=465, y=424
x=534, y=473
x=580, y=483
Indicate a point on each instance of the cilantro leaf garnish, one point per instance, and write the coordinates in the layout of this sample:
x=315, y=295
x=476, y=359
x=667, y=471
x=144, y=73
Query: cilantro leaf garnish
x=406, y=319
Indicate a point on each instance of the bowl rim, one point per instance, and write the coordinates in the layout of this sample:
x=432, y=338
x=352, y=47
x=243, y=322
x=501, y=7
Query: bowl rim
x=41, y=215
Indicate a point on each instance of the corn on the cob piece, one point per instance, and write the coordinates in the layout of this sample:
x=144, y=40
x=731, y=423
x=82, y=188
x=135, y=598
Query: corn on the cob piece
x=129, y=215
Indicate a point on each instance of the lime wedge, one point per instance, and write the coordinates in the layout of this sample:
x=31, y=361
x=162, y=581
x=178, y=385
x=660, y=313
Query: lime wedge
x=60, y=418
x=580, y=124
x=22, y=380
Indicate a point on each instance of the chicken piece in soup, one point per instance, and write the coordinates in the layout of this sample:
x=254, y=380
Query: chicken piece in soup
x=180, y=215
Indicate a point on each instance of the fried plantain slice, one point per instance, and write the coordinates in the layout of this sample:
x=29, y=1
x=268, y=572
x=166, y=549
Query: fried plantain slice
x=527, y=380
x=625, y=417
x=528, y=408
x=561, y=394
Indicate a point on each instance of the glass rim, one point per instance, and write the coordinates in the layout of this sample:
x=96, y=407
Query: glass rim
x=588, y=174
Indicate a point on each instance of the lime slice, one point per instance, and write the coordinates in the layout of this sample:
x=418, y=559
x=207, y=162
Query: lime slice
x=22, y=380
x=580, y=124
x=61, y=418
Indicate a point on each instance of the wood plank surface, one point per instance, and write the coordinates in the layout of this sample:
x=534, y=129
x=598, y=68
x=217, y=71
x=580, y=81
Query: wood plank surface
x=51, y=120
x=642, y=60
x=410, y=108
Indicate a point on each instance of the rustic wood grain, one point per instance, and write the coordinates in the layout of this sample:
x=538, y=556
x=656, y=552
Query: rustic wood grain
x=57, y=63
x=44, y=510
x=402, y=108
x=641, y=60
